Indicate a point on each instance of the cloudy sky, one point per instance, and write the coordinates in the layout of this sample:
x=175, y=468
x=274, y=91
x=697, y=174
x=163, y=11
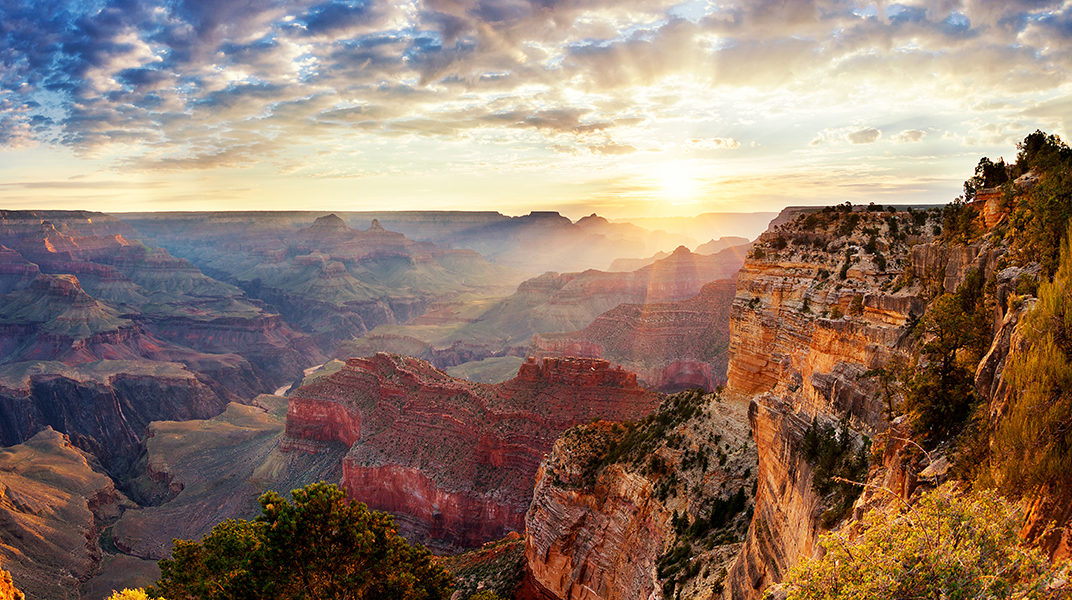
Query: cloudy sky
x=620, y=107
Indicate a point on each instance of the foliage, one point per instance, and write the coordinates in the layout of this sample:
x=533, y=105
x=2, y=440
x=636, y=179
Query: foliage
x=1041, y=152
x=830, y=451
x=941, y=394
x=988, y=174
x=947, y=546
x=495, y=568
x=1033, y=444
x=849, y=224
x=129, y=594
x=960, y=222
x=856, y=306
x=1041, y=216
x=891, y=380
x=318, y=547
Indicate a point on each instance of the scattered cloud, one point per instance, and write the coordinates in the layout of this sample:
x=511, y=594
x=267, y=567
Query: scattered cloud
x=711, y=143
x=612, y=149
x=869, y=135
x=909, y=136
x=173, y=86
x=852, y=135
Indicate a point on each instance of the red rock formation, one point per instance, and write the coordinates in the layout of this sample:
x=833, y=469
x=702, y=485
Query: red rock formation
x=455, y=460
x=671, y=346
x=595, y=531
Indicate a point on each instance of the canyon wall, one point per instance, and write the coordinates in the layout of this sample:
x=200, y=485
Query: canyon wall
x=454, y=460
x=671, y=346
x=822, y=302
x=634, y=511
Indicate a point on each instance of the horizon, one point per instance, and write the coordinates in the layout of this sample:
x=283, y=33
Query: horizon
x=640, y=110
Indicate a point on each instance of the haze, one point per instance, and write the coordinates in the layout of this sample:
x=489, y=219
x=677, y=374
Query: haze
x=628, y=108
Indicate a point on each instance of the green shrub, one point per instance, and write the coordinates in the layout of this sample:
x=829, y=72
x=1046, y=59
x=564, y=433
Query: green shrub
x=318, y=547
x=836, y=465
x=941, y=394
x=1032, y=446
x=947, y=546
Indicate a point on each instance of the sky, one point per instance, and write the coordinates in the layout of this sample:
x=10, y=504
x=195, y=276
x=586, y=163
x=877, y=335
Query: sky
x=625, y=108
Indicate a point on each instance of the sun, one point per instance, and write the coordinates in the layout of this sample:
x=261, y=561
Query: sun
x=677, y=182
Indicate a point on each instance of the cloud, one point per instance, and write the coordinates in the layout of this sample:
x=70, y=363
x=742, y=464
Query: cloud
x=612, y=149
x=196, y=84
x=711, y=143
x=909, y=136
x=852, y=135
x=864, y=136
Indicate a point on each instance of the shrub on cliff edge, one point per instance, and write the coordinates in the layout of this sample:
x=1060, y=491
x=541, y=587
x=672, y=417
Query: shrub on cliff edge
x=946, y=546
x=1032, y=447
x=319, y=547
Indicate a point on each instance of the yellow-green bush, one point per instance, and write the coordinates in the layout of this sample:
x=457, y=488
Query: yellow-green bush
x=947, y=546
x=1032, y=446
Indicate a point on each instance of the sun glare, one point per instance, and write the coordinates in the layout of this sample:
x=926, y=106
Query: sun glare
x=677, y=182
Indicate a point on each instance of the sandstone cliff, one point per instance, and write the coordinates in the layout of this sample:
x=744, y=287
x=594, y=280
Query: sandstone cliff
x=824, y=301
x=670, y=346
x=653, y=509
x=454, y=460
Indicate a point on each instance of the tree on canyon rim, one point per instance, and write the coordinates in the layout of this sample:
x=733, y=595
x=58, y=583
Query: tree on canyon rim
x=319, y=547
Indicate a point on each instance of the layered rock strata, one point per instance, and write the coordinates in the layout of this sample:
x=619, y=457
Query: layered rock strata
x=562, y=302
x=824, y=299
x=454, y=460
x=333, y=281
x=630, y=512
x=670, y=346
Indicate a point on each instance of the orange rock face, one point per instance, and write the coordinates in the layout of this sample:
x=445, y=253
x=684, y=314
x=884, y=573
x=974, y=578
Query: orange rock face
x=670, y=346
x=455, y=460
x=802, y=338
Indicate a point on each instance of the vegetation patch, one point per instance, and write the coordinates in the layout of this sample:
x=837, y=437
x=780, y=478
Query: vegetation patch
x=839, y=471
x=946, y=546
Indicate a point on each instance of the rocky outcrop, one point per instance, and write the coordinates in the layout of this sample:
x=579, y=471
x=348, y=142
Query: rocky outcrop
x=621, y=513
x=454, y=460
x=54, y=508
x=670, y=346
x=823, y=299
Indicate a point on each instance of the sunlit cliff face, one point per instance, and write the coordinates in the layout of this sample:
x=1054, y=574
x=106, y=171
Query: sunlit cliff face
x=626, y=108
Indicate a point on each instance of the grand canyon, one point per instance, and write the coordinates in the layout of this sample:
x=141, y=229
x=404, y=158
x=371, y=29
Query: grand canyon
x=535, y=300
x=162, y=371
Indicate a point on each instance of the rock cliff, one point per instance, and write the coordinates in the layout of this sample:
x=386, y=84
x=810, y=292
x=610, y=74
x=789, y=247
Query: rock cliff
x=648, y=509
x=454, y=460
x=670, y=346
x=823, y=302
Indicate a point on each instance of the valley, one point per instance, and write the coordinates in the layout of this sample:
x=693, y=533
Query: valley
x=692, y=422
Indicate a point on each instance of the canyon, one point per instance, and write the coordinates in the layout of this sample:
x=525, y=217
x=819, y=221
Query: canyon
x=154, y=369
x=826, y=306
x=452, y=459
x=671, y=346
x=450, y=333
